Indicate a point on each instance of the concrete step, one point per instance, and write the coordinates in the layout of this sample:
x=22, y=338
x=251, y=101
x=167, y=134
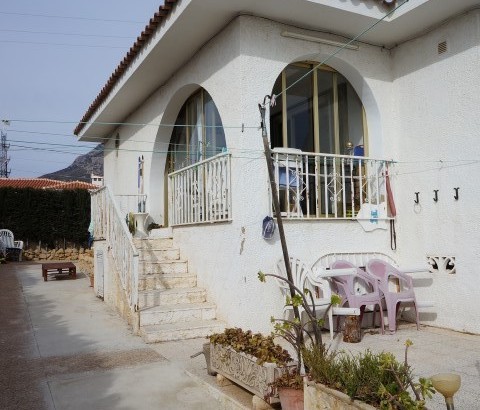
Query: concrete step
x=153, y=298
x=185, y=312
x=167, y=281
x=158, y=243
x=158, y=255
x=178, y=266
x=180, y=331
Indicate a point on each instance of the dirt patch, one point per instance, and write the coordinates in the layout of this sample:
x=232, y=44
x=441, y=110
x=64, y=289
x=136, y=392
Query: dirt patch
x=97, y=361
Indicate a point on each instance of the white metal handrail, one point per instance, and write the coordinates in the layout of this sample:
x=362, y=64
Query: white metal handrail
x=201, y=193
x=109, y=224
x=327, y=186
x=131, y=203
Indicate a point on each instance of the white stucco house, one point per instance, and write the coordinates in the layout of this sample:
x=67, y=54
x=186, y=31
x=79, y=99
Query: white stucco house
x=179, y=120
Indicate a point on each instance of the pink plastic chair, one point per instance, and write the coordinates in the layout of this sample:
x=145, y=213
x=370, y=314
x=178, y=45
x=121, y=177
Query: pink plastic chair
x=387, y=276
x=346, y=288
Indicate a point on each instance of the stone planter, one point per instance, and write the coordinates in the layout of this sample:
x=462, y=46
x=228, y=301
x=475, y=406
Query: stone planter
x=319, y=397
x=243, y=370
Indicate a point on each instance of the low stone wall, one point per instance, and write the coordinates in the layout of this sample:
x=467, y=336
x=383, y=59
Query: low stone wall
x=82, y=257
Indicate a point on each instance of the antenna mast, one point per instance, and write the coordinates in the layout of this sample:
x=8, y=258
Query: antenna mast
x=4, y=159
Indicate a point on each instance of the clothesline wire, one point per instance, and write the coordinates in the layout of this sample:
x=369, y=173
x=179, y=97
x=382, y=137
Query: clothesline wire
x=326, y=59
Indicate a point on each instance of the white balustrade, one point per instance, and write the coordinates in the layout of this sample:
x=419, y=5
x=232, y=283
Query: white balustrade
x=109, y=224
x=326, y=186
x=201, y=193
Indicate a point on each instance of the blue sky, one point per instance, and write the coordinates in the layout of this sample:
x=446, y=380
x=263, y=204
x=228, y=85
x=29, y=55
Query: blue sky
x=56, y=55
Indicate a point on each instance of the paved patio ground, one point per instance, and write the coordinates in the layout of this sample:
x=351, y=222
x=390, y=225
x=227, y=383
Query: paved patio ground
x=63, y=348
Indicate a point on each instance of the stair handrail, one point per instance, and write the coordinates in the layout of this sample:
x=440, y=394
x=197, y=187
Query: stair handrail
x=111, y=226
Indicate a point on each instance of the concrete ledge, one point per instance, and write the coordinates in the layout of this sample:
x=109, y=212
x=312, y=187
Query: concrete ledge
x=231, y=397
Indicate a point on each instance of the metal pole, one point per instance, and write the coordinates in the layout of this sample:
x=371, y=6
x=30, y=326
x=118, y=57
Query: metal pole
x=276, y=204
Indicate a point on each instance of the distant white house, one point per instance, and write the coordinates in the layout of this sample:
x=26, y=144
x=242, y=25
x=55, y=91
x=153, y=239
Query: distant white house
x=401, y=101
x=96, y=179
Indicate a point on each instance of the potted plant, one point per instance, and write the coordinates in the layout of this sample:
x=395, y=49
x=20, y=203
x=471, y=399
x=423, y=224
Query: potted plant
x=363, y=381
x=298, y=333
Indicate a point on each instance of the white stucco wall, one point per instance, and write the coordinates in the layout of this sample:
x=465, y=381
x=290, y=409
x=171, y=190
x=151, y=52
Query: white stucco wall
x=437, y=104
x=419, y=107
x=228, y=256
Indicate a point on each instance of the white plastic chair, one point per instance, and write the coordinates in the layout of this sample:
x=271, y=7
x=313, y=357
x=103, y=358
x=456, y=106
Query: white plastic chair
x=3, y=250
x=303, y=278
x=13, y=247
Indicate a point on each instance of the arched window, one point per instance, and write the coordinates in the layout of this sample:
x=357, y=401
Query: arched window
x=320, y=113
x=198, y=132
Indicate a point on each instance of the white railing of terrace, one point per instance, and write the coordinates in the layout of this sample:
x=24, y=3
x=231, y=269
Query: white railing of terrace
x=201, y=193
x=326, y=186
x=109, y=224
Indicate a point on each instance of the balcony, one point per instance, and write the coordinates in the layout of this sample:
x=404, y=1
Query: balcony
x=326, y=186
x=201, y=193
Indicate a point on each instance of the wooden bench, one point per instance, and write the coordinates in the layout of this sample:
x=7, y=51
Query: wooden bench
x=59, y=268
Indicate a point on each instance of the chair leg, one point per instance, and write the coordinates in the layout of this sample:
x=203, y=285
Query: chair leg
x=392, y=317
x=374, y=313
x=382, y=324
x=330, y=323
x=417, y=315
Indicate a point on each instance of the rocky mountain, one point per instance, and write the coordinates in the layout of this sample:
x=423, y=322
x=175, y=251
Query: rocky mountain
x=82, y=167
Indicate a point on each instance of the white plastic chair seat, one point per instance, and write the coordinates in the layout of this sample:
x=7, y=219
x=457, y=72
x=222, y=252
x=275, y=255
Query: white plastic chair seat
x=12, y=247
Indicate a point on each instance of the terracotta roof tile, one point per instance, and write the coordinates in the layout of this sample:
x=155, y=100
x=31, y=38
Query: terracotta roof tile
x=44, y=183
x=155, y=21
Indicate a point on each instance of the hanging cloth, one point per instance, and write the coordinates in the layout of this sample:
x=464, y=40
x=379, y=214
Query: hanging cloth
x=392, y=211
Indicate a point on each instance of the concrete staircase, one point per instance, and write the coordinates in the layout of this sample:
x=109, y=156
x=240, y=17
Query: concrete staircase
x=171, y=305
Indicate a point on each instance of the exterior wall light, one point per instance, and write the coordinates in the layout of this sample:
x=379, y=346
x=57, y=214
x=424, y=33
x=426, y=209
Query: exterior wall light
x=447, y=384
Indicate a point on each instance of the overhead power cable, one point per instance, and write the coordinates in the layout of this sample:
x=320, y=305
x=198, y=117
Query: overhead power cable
x=64, y=34
x=58, y=44
x=71, y=17
x=358, y=36
x=132, y=124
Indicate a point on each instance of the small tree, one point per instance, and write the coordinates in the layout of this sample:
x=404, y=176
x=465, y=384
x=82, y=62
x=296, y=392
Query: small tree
x=295, y=331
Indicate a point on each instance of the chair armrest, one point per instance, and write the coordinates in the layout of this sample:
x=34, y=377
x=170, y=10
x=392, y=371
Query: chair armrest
x=18, y=244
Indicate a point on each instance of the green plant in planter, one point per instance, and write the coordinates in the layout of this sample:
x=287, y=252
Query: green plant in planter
x=377, y=379
x=130, y=220
x=299, y=333
x=153, y=225
x=263, y=348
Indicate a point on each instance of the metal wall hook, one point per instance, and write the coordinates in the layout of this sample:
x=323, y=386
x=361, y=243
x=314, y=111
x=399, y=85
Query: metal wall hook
x=435, y=198
x=416, y=200
x=456, y=193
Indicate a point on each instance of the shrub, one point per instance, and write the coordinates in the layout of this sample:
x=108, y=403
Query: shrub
x=375, y=378
x=260, y=346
